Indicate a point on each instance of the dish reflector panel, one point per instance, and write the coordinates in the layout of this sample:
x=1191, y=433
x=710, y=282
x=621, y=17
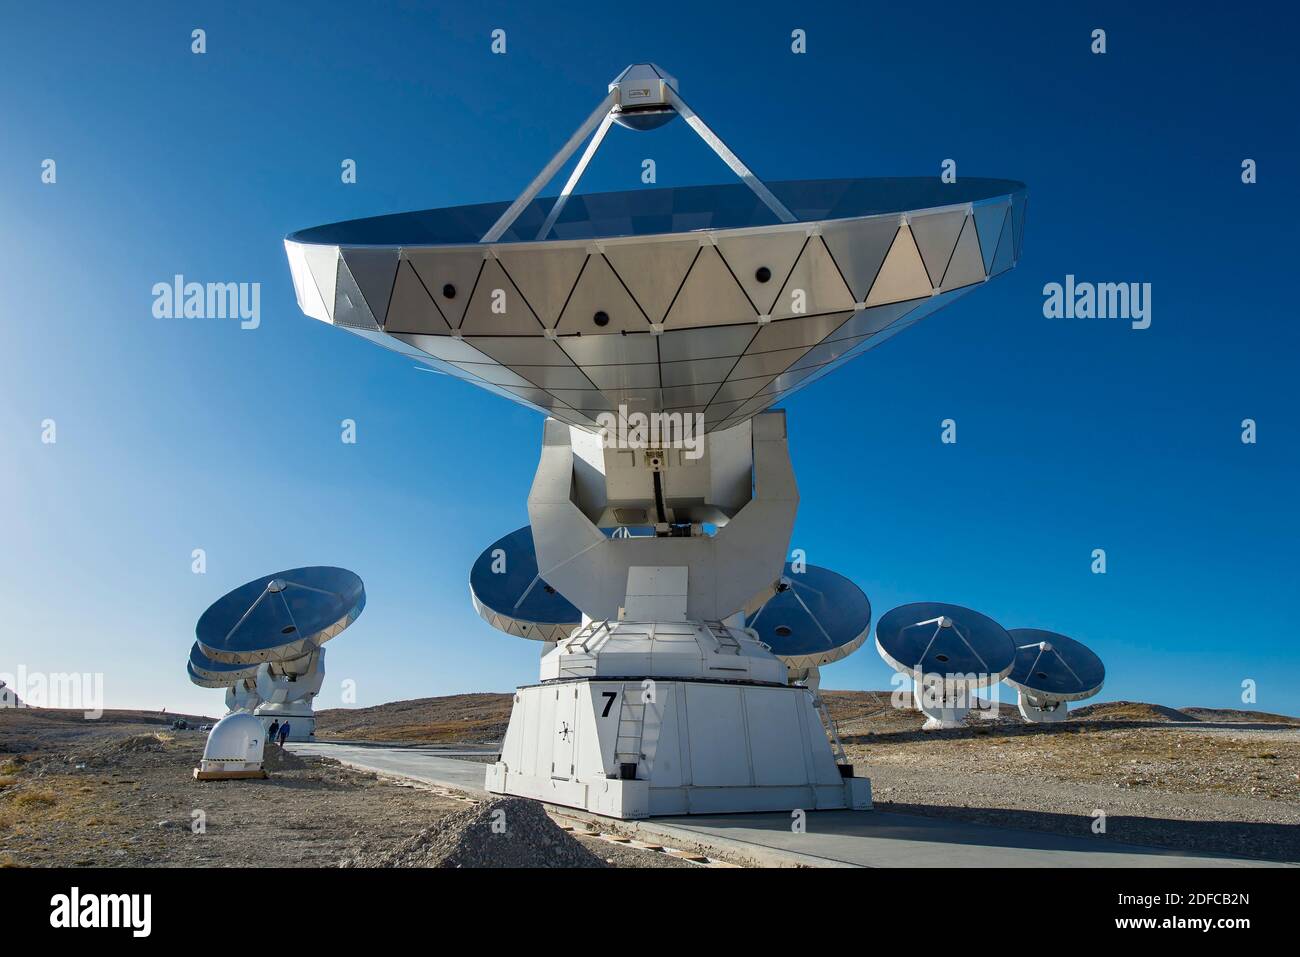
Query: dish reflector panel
x=819, y=617
x=932, y=638
x=1049, y=665
x=281, y=616
x=510, y=596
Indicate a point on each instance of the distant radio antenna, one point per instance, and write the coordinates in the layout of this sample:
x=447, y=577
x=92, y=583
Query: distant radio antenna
x=263, y=642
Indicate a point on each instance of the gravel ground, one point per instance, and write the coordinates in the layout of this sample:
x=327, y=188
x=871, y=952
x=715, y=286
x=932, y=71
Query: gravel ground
x=1222, y=789
x=123, y=794
x=120, y=792
x=508, y=832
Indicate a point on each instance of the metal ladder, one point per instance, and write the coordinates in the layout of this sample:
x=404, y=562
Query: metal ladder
x=724, y=638
x=631, y=727
x=829, y=726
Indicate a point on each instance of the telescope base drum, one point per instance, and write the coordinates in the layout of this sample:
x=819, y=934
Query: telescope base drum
x=695, y=747
x=288, y=690
x=302, y=727
x=234, y=749
x=1041, y=710
x=943, y=713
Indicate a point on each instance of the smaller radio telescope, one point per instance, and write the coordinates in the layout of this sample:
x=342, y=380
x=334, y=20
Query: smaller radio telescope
x=816, y=617
x=1050, y=671
x=949, y=651
x=509, y=594
x=262, y=642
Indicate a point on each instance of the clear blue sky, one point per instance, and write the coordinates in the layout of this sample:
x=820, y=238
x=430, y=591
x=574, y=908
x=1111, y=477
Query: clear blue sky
x=1073, y=434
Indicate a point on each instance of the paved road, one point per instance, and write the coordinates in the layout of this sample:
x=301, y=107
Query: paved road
x=430, y=765
x=832, y=838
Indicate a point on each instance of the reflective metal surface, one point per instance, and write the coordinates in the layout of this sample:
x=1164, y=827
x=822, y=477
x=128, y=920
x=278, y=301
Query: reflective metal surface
x=281, y=616
x=1054, y=666
x=206, y=673
x=694, y=299
x=643, y=212
x=510, y=596
x=932, y=638
x=820, y=617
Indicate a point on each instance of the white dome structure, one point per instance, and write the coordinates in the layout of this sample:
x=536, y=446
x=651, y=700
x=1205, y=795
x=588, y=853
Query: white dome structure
x=234, y=749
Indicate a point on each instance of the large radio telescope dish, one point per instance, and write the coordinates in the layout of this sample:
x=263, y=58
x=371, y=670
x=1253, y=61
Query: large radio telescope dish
x=709, y=304
x=282, y=616
x=716, y=300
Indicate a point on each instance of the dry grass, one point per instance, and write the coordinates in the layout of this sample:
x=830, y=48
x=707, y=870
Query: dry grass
x=44, y=797
x=1129, y=711
x=1184, y=761
x=459, y=719
x=12, y=766
x=28, y=809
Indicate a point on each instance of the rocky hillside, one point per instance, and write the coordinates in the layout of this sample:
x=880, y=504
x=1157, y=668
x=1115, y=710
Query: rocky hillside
x=461, y=719
x=482, y=718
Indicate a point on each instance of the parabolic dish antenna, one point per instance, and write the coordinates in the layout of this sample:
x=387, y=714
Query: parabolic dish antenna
x=1050, y=670
x=718, y=300
x=206, y=673
x=281, y=616
x=689, y=299
x=933, y=638
x=510, y=596
x=1054, y=666
x=816, y=616
x=949, y=652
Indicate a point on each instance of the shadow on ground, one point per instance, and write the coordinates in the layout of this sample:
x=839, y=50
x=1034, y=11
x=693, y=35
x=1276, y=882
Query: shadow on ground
x=1265, y=842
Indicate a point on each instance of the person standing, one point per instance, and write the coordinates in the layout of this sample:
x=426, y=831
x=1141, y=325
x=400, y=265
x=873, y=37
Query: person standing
x=273, y=730
x=284, y=733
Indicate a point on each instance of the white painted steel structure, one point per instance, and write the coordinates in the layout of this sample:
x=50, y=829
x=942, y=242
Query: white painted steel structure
x=713, y=302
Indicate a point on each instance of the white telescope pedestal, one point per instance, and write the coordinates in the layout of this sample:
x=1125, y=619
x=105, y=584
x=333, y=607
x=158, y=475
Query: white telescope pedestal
x=662, y=702
x=1041, y=710
x=946, y=701
x=243, y=696
x=633, y=719
x=287, y=690
x=944, y=706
